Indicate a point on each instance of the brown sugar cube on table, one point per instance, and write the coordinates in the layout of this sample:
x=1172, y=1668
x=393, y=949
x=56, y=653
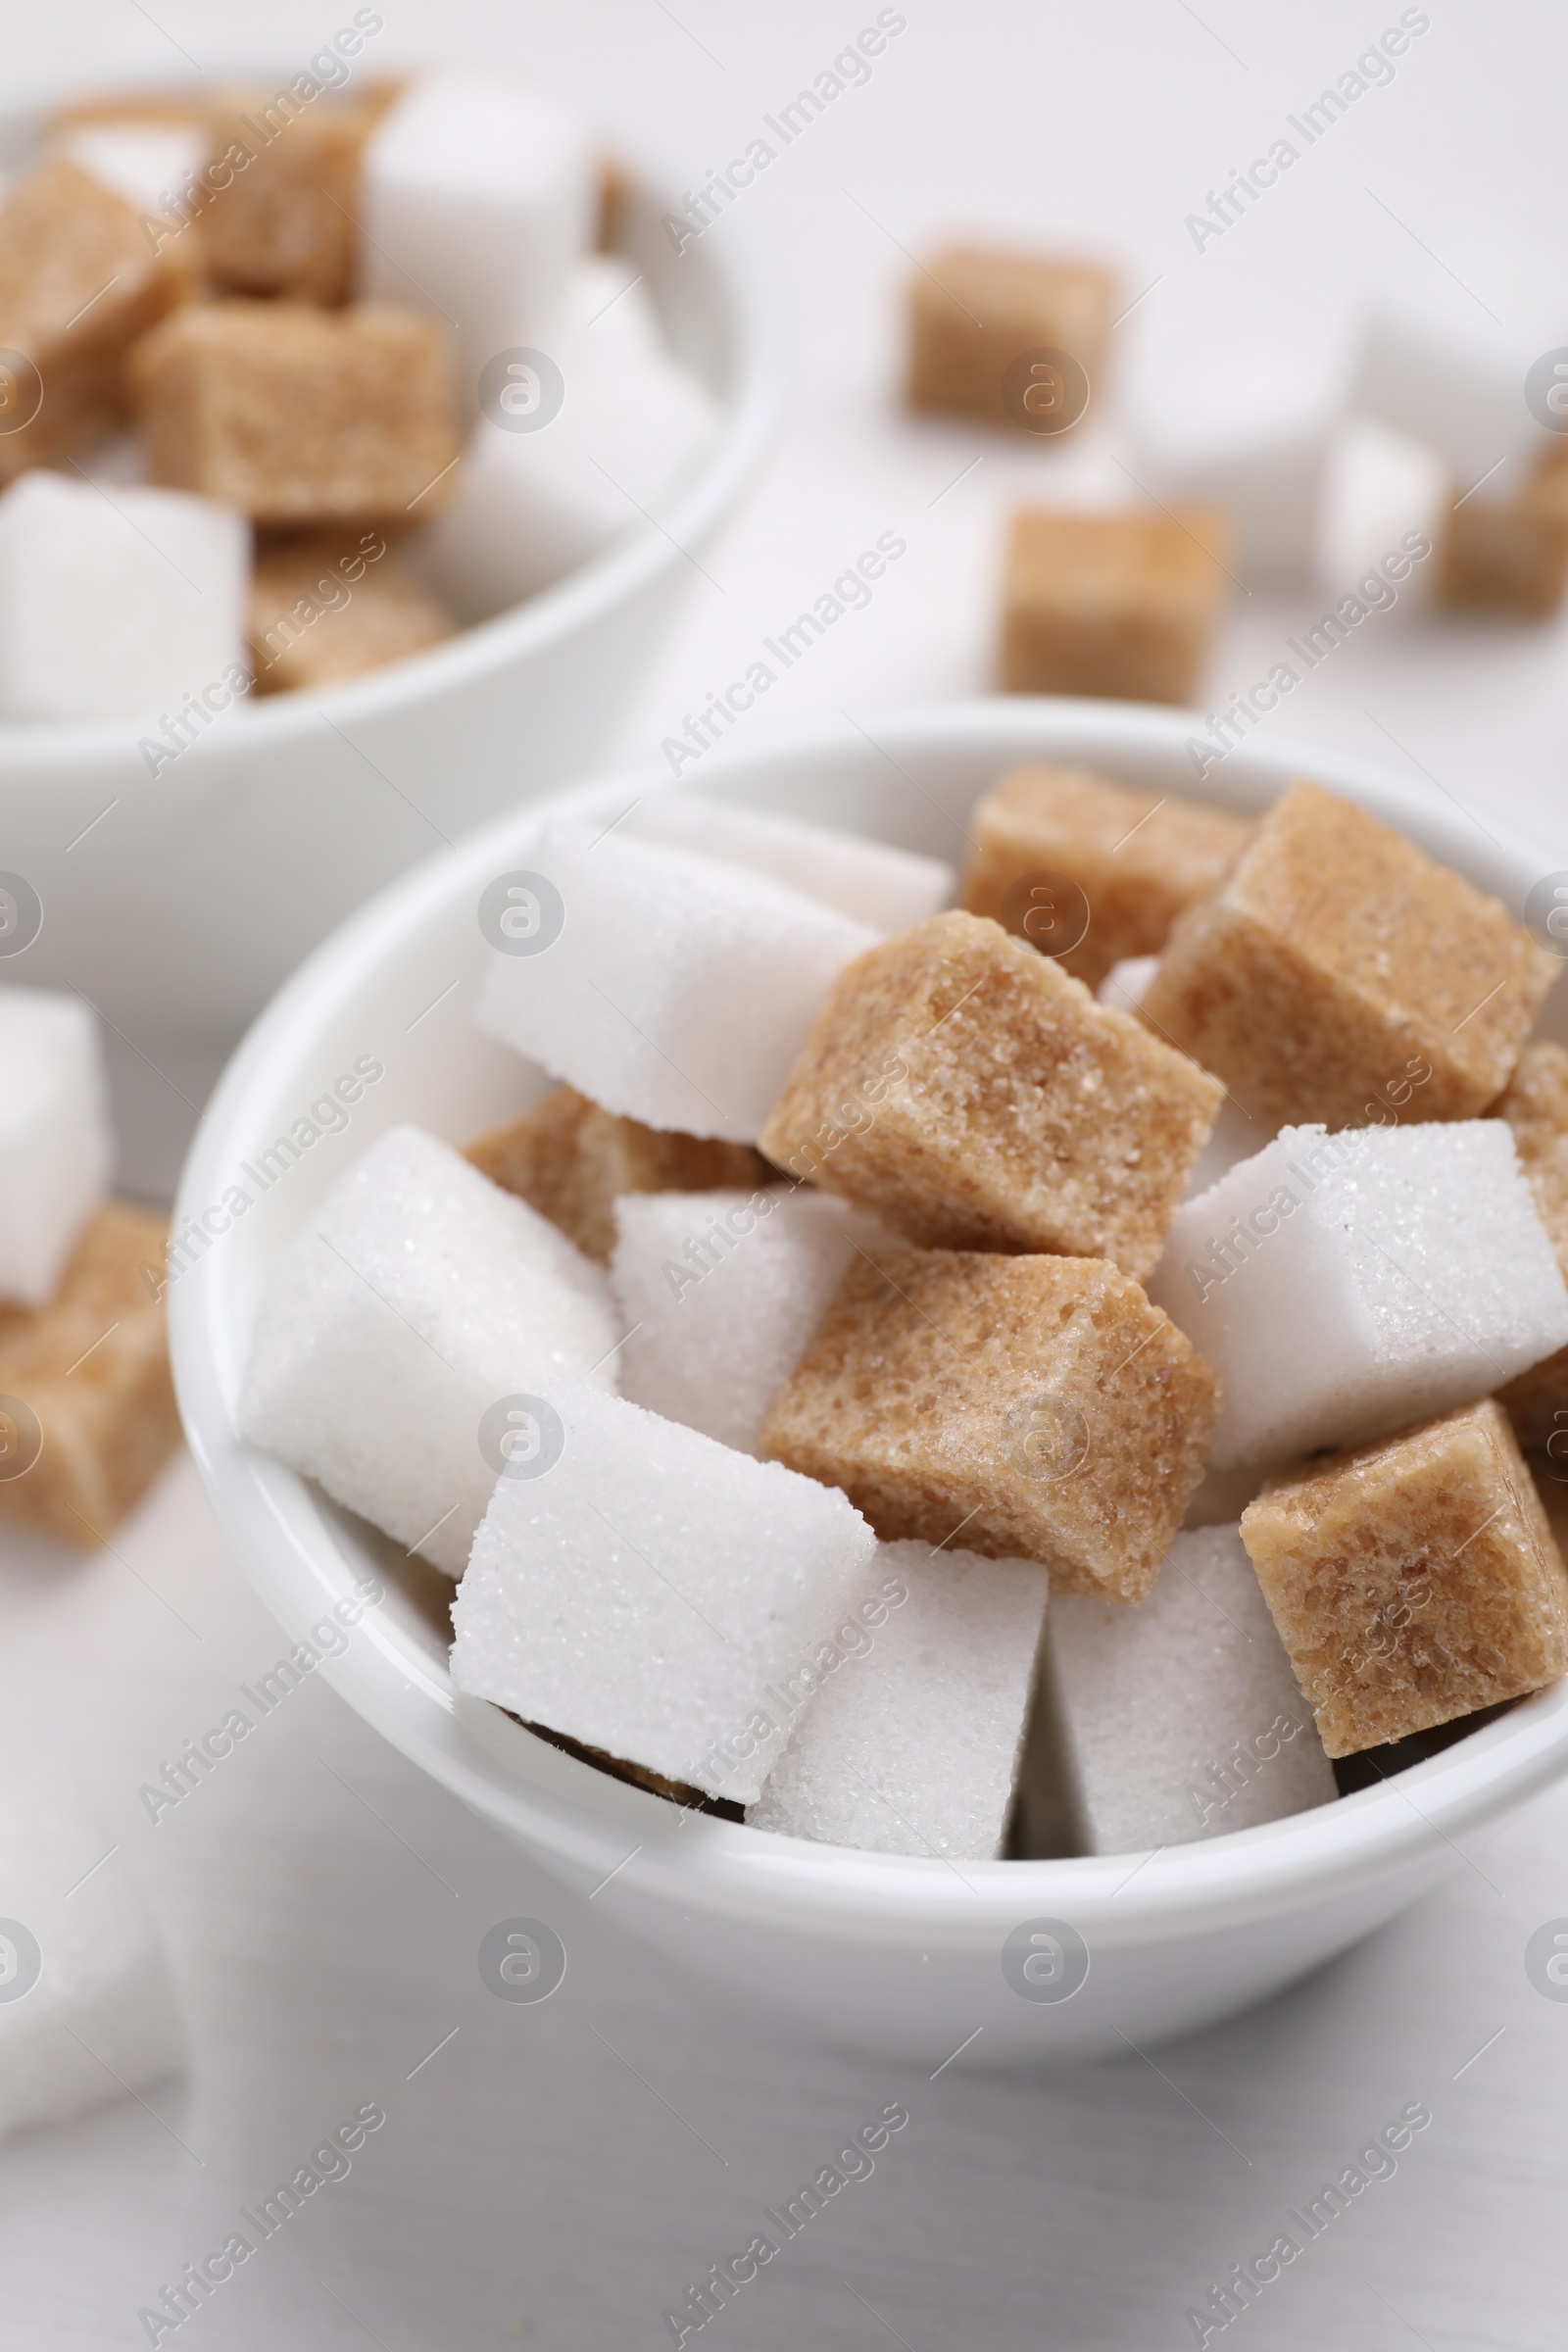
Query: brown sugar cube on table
x=299, y=415
x=1535, y=1103
x=977, y=1098
x=571, y=1161
x=1413, y=1580
x=285, y=221
x=1089, y=872
x=1041, y=1405
x=87, y=1415
x=1336, y=960
x=977, y=312
x=1118, y=603
x=1509, y=556
x=150, y=108
x=332, y=606
x=79, y=283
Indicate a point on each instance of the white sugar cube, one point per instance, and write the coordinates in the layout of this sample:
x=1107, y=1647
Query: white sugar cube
x=1181, y=1718
x=1343, y=1284
x=718, y=1294
x=532, y=505
x=911, y=1743
x=404, y=1333
x=1384, y=500
x=870, y=882
x=147, y=164
x=119, y=603
x=646, y=1591
x=88, y=2009
x=1255, y=443
x=608, y=309
x=476, y=195
x=1126, y=984
x=668, y=988
x=56, y=1147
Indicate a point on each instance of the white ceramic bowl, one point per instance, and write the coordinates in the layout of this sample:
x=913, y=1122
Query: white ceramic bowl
x=898, y=1955
x=188, y=902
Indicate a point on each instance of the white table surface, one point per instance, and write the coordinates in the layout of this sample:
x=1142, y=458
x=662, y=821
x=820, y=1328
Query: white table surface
x=553, y=2176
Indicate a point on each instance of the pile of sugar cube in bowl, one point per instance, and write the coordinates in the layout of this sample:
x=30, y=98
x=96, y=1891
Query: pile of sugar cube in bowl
x=889, y=1343
x=278, y=364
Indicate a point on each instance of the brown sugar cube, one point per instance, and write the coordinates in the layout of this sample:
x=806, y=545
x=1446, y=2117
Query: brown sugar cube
x=1412, y=1580
x=1337, y=959
x=1535, y=1103
x=298, y=415
x=1089, y=872
x=616, y=189
x=976, y=1098
x=570, y=1160
x=86, y=1403
x=329, y=607
x=976, y=311
x=78, y=283
x=1511, y=555
x=134, y=109
x=1120, y=605
x=286, y=222
x=1038, y=1404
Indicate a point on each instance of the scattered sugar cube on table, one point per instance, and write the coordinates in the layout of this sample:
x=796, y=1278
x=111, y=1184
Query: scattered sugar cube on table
x=402, y=1333
x=120, y=603
x=655, y=1595
x=975, y=311
x=1340, y=974
x=97, y=2016
x=87, y=1415
x=1412, y=1581
x=675, y=990
x=79, y=282
x=286, y=219
x=1089, y=871
x=299, y=415
x=1508, y=556
x=1535, y=1104
x=572, y=1160
x=1254, y=445
x=911, y=1742
x=870, y=881
x=718, y=1294
x=330, y=605
x=1343, y=1284
x=56, y=1147
x=1119, y=604
x=973, y=1096
x=476, y=196
x=1038, y=1408
x=1181, y=1718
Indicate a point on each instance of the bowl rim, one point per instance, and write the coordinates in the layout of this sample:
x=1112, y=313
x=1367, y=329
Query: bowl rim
x=583, y=1818
x=33, y=752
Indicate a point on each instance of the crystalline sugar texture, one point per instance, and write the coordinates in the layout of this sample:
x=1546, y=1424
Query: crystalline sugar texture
x=117, y=606
x=1181, y=1718
x=911, y=1743
x=404, y=1333
x=88, y=2009
x=677, y=992
x=890, y=889
x=653, y=1594
x=1343, y=1284
x=719, y=1292
x=56, y=1148
x=476, y=195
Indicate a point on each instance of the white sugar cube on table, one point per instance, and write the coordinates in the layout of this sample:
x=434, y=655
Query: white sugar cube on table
x=1385, y=498
x=1341, y=1285
x=890, y=889
x=476, y=195
x=88, y=2010
x=56, y=1147
x=668, y=988
x=911, y=1744
x=118, y=603
x=1180, y=1719
x=1255, y=442
x=532, y=503
x=718, y=1294
x=643, y=1591
x=402, y=1334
